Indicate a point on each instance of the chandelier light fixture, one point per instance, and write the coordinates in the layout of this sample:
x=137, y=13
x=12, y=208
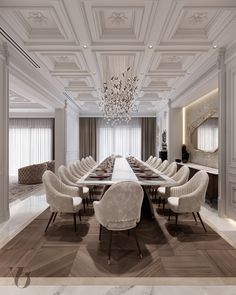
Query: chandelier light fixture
x=118, y=98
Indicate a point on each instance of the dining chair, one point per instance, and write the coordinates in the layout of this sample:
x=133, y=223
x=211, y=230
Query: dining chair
x=189, y=197
x=149, y=159
x=61, y=198
x=180, y=177
x=170, y=170
x=69, y=180
x=119, y=210
x=163, y=166
x=157, y=163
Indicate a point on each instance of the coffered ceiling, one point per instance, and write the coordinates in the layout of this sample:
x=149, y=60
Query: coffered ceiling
x=81, y=43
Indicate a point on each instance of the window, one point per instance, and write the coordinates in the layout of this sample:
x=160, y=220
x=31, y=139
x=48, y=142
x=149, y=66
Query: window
x=123, y=139
x=30, y=142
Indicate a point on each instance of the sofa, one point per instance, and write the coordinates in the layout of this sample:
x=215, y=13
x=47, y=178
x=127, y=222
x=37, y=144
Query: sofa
x=32, y=174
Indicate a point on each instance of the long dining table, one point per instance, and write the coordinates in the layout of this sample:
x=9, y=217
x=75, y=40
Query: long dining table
x=123, y=171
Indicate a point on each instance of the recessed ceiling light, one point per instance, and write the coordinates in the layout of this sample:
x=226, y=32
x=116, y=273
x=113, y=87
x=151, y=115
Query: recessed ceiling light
x=85, y=46
x=150, y=46
x=214, y=46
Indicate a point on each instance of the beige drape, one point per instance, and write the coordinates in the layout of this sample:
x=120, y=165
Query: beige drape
x=87, y=137
x=148, y=137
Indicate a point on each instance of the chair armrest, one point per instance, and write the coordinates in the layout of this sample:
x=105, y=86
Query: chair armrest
x=70, y=190
x=190, y=202
x=61, y=202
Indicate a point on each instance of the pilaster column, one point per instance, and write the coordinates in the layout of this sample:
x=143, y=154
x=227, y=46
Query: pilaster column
x=4, y=133
x=222, y=132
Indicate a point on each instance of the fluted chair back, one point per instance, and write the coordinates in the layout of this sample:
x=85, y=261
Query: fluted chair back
x=66, y=177
x=120, y=207
x=182, y=175
x=163, y=166
x=153, y=160
x=157, y=163
x=149, y=159
x=171, y=169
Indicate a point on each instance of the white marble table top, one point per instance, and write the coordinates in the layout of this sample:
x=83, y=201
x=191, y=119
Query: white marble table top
x=201, y=167
x=122, y=172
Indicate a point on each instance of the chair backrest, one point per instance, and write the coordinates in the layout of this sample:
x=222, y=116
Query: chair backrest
x=65, y=176
x=149, y=159
x=197, y=187
x=182, y=175
x=171, y=169
x=52, y=185
x=157, y=163
x=153, y=160
x=121, y=205
x=163, y=166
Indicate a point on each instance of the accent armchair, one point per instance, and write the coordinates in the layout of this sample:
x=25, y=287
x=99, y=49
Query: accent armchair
x=120, y=209
x=61, y=198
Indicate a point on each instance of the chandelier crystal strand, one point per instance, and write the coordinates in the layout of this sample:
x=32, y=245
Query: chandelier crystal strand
x=118, y=98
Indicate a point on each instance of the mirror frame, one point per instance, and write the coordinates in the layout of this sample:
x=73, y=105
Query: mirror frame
x=195, y=125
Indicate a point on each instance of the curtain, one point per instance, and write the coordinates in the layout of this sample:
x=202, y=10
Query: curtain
x=30, y=142
x=207, y=135
x=148, y=137
x=87, y=137
x=123, y=139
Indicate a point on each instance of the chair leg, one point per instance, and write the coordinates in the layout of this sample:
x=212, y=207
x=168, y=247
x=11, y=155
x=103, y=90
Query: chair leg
x=87, y=201
x=84, y=204
x=50, y=219
x=128, y=232
x=199, y=216
x=79, y=213
x=100, y=233
x=109, y=249
x=169, y=215
x=74, y=214
x=54, y=217
x=164, y=203
x=176, y=218
x=136, y=239
x=194, y=217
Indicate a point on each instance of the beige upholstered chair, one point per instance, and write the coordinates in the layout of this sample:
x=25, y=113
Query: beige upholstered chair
x=152, y=161
x=157, y=163
x=67, y=178
x=149, y=160
x=163, y=166
x=190, y=196
x=92, y=160
x=120, y=209
x=171, y=169
x=61, y=197
x=181, y=177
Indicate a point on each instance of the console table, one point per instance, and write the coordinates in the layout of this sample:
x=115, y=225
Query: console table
x=212, y=190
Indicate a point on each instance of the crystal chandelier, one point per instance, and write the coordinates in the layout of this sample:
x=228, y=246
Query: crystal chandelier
x=118, y=98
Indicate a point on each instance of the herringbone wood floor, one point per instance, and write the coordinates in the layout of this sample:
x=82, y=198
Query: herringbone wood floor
x=186, y=252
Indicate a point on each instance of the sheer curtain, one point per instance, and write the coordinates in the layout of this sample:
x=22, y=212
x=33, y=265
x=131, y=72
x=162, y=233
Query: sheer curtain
x=30, y=142
x=207, y=135
x=123, y=139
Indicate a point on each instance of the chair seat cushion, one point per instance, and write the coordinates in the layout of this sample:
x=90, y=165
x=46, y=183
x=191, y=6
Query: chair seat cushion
x=85, y=190
x=173, y=203
x=77, y=203
x=161, y=191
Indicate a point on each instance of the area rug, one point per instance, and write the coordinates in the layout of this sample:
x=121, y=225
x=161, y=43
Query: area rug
x=20, y=191
x=185, y=251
